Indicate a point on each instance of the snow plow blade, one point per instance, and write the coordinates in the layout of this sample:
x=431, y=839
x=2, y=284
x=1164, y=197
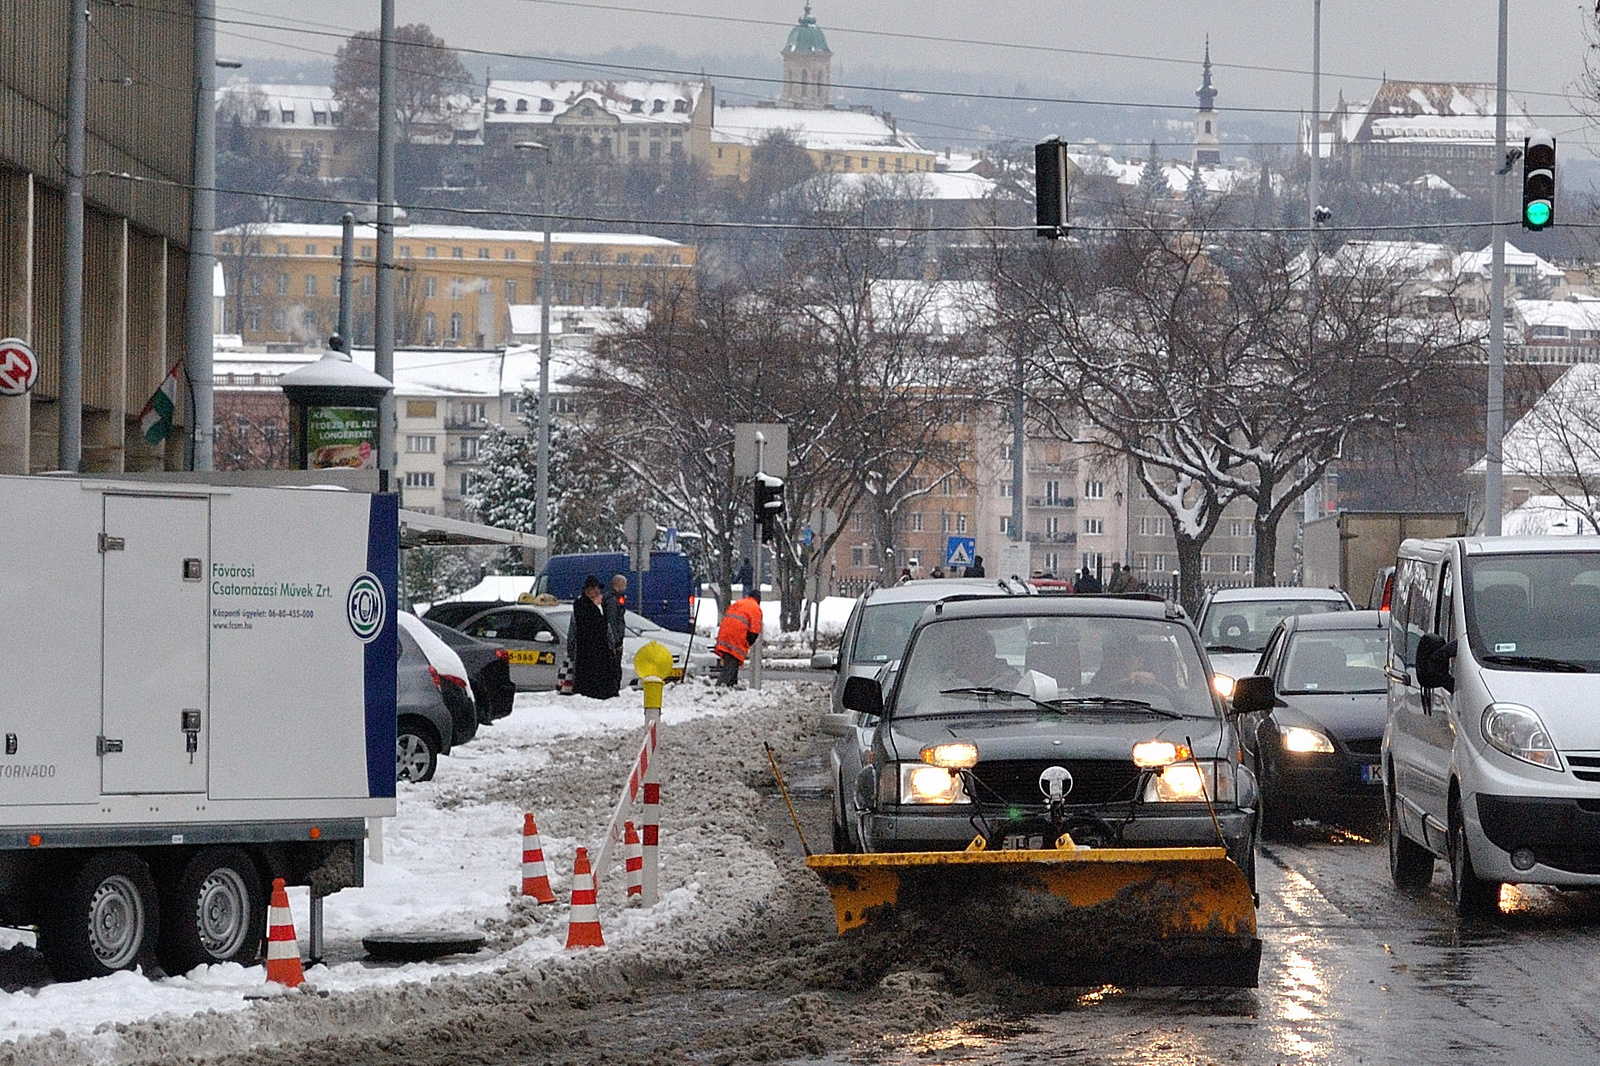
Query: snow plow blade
x=1124, y=916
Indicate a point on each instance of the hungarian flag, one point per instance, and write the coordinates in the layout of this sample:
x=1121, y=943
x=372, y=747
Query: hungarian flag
x=155, y=421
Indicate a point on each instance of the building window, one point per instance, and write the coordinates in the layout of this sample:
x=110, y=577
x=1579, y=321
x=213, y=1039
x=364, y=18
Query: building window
x=483, y=253
x=430, y=286
x=430, y=253
x=511, y=290
x=366, y=284
x=311, y=284
x=1052, y=493
x=1051, y=562
x=472, y=413
x=1152, y=527
x=283, y=284
x=1241, y=564
x=1005, y=526
x=1091, y=562
x=511, y=253
x=857, y=556
x=1158, y=561
x=423, y=444
x=455, y=326
x=403, y=286
x=1052, y=527
x=944, y=522
x=455, y=288
x=466, y=480
x=252, y=321
x=430, y=328
x=1094, y=527
x=1094, y=490
x=1235, y=528
x=419, y=479
x=1005, y=490
x=458, y=253
x=280, y=320
x=961, y=523
x=469, y=447
x=1205, y=564
x=916, y=523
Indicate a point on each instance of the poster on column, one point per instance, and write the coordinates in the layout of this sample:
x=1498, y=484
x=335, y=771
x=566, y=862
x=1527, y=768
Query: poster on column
x=342, y=437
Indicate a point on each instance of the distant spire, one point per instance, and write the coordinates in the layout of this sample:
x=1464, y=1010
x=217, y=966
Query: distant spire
x=1206, y=93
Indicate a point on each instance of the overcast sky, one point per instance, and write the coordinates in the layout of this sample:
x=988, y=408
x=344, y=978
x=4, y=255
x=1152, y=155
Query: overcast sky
x=1362, y=39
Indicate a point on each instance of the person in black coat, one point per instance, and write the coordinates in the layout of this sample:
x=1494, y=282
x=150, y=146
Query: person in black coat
x=594, y=668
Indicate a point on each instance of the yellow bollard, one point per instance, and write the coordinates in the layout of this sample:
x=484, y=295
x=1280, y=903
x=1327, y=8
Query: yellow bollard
x=653, y=663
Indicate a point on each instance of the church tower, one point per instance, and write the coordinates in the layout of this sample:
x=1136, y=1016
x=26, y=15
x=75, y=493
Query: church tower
x=1206, y=149
x=807, y=66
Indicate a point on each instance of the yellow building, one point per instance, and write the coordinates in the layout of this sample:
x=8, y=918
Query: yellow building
x=454, y=285
x=842, y=142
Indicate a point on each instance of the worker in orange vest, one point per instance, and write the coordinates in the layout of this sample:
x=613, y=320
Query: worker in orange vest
x=738, y=633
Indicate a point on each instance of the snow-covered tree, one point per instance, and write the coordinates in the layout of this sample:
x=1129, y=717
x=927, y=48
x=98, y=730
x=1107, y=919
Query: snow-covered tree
x=1153, y=177
x=430, y=573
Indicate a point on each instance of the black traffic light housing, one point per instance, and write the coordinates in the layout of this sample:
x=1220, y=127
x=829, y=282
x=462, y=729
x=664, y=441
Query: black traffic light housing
x=769, y=505
x=1050, y=187
x=1539, y=180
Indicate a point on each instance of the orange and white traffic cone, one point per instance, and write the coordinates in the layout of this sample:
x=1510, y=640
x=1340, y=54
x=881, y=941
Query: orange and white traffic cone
x=583, y=924
x=283, y=950
x=535, y=879
x=633, y=862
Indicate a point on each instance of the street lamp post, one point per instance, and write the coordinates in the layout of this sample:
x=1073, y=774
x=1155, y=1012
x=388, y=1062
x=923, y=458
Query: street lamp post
x=541, y=519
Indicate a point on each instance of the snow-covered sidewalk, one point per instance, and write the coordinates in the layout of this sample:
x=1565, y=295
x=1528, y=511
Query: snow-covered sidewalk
x=452, y=862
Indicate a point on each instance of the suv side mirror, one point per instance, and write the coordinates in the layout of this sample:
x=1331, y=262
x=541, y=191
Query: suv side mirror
x=862, y=695
x=825, y=660
x=1252, y=695
x=1433, y=662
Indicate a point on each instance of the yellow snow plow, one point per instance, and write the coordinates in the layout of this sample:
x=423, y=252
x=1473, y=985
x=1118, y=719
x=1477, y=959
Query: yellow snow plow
x=1066, y=915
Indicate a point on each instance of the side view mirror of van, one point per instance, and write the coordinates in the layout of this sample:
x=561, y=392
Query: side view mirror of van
x=862, y=695
x=1433, y=662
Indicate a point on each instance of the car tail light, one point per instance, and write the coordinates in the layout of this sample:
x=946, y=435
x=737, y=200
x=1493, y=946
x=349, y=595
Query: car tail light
x=435, y=675
x=1388, y=590
x=502, y=654
x=440, y=680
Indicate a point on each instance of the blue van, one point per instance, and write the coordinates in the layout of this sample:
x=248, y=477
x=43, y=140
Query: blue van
x=665, y=595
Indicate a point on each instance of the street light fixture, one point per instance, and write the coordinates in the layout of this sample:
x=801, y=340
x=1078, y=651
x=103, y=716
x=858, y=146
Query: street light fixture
x=541, y=514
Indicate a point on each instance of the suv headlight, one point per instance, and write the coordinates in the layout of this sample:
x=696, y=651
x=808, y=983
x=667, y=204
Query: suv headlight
x=1517, y=731
x=1305, y=741
x=921, y=783
x=1188, y=782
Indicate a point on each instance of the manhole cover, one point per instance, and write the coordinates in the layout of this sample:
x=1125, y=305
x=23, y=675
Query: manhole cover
x=418, y=947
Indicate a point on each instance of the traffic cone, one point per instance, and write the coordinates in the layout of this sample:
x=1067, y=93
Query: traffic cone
x=283, y=950
x=583, y=925
x=633, y=862
x=535, y=879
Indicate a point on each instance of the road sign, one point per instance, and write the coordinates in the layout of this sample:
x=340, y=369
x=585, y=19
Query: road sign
x=639, y=529
x=767, y=455
x=807, y=536
x=19, y=368
x=958, y=551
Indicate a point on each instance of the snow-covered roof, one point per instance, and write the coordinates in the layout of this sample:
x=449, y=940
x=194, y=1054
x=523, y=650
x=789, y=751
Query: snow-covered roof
x=819, y=129
x=1576, y=318
x=1415, y=260
x=1545, y=516
x=1534, y=445
x=1479, y=262
x=286, y=106
x=418, y=372
x=1214, y=178
x=445, y=234
x=915, y=185
x=581, y=319
x=629, y=102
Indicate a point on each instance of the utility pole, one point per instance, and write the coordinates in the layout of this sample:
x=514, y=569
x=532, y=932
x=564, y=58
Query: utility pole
x=69, y=441
x=1495, y=422
x=347, y=277
x=541, y=522
x=383, y=324
x=198, y=340
x=1019, y=401
x=1310, y=503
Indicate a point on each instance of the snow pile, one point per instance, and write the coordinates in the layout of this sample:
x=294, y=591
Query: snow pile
x=452, y=862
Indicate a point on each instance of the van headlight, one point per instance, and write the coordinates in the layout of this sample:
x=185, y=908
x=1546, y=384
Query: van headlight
x=921, y=783
x=1517, y=731
x=1191, y=782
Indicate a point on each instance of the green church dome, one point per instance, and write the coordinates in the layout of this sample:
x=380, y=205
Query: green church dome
x=806, y=37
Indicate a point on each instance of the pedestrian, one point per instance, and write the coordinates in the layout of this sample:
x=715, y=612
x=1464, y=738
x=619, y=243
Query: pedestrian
x=594, y=671
x=1087, y=582
x=615, y=607
x=938, y=571
x=905, y=574
x=1119, y=580
x=976, y=569
x=743, y=577
x=736, y=635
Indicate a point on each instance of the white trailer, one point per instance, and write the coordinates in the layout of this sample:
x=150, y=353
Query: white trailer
x=199, y=696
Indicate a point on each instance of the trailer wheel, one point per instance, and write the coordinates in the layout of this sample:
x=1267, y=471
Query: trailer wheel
x=416, y=752
x=215, y=912
x=107, y=919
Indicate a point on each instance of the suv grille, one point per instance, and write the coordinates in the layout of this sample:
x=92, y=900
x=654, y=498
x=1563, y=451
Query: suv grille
x=1093, y=780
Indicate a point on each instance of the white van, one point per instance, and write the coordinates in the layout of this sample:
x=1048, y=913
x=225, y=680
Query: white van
x=1491, y=758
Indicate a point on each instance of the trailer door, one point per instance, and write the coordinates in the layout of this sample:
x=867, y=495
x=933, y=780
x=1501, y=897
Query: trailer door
x=155, y=714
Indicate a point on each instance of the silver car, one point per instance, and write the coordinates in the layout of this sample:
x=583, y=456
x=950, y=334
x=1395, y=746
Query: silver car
x=1235, y=623
x=874, y=640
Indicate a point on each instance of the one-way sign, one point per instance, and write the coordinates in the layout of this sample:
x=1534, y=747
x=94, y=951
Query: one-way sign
x=958, y=551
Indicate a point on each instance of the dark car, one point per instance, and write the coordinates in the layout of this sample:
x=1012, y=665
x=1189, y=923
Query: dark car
x=488, y=670
x=1316, y=753
x=1090, y=715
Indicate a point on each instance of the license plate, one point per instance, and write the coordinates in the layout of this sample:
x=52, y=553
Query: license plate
x=1371, y=774
x=518, y=657
x=1021, y=842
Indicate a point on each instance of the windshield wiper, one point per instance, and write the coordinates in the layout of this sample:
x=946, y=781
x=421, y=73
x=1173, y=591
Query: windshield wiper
x=1232, y=649
x=990, y=690
x=1537, y=662
x=1114, y=701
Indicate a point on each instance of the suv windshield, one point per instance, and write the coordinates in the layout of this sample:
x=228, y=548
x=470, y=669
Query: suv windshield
x=1336, y=661
x=1069, y=663
x=1245, y=625
x=1531, y=611
x=885, y=628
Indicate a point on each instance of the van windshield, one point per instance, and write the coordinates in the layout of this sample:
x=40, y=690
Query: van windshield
x=1539, y=611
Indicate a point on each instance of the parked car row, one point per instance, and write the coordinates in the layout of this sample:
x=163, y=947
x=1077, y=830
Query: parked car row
x=449, y=685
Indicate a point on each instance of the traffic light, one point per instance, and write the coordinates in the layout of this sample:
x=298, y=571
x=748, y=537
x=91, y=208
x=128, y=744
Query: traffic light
x=769, y=504
x=1050, y=187
x=1539, y=180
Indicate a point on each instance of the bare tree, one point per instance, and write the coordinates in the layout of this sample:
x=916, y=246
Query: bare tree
x=427, y=74
x=1556, y=445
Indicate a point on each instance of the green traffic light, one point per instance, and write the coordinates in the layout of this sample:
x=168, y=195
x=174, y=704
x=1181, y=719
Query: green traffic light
x=1537, y=214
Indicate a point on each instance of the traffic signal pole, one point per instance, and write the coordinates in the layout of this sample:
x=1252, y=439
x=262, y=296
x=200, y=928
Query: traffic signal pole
x=1495, y=420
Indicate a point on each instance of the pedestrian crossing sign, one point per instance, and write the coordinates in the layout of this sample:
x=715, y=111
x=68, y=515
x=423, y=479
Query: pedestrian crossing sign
x=959, y=551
